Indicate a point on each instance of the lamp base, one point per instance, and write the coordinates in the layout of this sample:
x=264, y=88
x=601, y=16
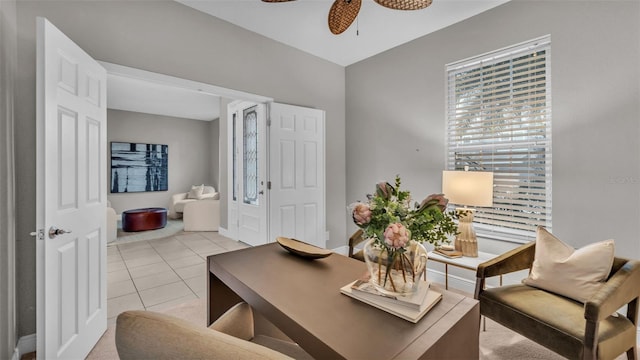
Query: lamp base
x=466, y=240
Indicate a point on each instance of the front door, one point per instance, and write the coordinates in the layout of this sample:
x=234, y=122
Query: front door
x=248, y=202
x=71, y=197
x=297, y=196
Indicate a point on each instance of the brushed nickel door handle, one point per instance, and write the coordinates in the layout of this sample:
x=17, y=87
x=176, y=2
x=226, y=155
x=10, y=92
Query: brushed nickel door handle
x=53, y=232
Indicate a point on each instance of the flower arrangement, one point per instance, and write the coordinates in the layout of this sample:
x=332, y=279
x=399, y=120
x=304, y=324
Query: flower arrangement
x=391, y=221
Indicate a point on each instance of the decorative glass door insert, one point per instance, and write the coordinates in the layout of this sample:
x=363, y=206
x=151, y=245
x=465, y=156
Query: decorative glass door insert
x=250, y=156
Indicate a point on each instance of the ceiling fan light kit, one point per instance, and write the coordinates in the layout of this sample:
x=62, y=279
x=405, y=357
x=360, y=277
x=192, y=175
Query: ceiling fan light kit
x=344, y=12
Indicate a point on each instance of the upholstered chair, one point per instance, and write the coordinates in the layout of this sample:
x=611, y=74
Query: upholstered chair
x=151, y=335
x=197, y=193
x=354, y=240
x=202, y=215
x=576, y=330
x=112, y=223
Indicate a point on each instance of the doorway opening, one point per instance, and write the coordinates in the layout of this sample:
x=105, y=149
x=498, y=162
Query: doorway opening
x=156, y=273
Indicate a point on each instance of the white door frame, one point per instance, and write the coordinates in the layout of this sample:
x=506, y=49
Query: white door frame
x=303, y=205
x=153, y=77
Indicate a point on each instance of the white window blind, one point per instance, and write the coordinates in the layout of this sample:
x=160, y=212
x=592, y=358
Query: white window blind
x=499, y=120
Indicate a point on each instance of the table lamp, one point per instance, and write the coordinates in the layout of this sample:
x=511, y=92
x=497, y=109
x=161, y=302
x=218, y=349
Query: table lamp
x=467, y=188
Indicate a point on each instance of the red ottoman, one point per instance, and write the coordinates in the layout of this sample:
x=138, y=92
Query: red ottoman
x=144, y=219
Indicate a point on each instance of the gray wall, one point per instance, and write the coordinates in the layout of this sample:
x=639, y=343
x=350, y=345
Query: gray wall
x=396, y=100
x=190, y=152
x=169, y=38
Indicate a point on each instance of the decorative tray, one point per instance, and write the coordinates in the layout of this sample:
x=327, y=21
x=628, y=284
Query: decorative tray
x=303, y=249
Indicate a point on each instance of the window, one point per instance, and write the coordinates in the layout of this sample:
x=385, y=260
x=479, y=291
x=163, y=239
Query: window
x=499, y=120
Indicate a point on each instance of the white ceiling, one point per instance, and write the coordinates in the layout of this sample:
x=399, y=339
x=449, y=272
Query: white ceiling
x=301, y=24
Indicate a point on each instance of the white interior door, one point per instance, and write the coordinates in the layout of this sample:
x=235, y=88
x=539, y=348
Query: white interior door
x=248, y=203
x=297, y=173
x=71, y=196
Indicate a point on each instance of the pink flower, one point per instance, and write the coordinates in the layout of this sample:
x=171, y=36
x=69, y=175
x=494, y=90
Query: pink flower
x=396, y=235
x=361, y=214
x=435, y=199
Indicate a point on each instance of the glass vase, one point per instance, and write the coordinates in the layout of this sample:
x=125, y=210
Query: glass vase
x=395, y=271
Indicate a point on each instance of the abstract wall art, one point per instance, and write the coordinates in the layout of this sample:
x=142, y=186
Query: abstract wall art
x=139, y=167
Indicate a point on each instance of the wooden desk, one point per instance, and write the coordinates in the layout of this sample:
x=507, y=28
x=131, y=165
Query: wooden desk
x=302, y=298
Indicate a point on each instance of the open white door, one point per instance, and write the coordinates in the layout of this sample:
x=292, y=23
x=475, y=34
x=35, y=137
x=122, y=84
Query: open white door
x=71, y=197
x=247, y=200
x=297, y=173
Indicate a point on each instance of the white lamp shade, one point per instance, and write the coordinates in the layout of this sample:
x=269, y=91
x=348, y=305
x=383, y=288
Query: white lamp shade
x=469, y=188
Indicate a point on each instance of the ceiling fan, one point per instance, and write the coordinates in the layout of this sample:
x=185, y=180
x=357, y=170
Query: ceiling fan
x=344, y=12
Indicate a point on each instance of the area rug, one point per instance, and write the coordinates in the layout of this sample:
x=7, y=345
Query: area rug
x=496, y=343
x=173, y=227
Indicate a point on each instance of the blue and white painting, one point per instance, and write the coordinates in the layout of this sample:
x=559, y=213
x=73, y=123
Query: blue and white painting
x=139, y=167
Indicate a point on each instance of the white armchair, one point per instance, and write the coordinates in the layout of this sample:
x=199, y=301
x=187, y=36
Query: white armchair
x=202, y=215
x=198, y=192
x=200, y=208
x=112, y=223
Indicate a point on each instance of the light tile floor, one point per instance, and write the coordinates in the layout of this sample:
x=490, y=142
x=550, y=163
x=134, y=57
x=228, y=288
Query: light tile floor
x=156, y=274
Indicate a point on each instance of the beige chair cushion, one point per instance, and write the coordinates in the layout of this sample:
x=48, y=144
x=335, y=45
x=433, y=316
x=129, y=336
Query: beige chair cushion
x=149, y=335
x=576, y=274
x=554, y=321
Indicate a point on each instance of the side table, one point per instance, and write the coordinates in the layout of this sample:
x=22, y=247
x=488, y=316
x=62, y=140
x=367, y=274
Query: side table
x=469, y=263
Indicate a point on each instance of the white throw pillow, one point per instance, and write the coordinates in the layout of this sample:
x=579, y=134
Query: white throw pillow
x=574, y=273
x=196, y=191
x=208, y=189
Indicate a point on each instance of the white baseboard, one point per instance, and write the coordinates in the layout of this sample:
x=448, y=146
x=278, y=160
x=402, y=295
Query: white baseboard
x=455, y=282
x=26, y=344
x=342, y=250
x=222, y=231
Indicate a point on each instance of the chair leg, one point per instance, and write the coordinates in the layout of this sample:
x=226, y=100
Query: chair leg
x=632, y=354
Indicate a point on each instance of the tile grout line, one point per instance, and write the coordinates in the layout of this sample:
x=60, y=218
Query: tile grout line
x=185, y=242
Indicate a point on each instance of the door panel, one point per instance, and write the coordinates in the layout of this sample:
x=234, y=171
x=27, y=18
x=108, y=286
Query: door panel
x=247, y=159
x=297, y=196
x=71, y=195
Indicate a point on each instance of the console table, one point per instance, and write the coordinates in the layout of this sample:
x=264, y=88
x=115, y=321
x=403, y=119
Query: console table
x=302, y=298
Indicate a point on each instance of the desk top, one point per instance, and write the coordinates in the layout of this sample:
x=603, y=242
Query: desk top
x=302, y=297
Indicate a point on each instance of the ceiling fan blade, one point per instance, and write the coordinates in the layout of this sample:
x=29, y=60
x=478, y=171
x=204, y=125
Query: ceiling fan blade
x=342, y=14
x=404, y=4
